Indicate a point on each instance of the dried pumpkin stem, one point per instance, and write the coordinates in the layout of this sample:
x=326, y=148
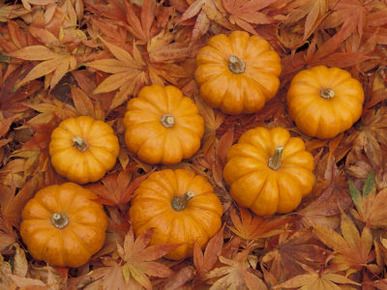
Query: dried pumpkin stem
x=275, y=161
x=327, y=93
x=80, y=144
x=180, y=202
x=59, y=220
x=236, y=65
x=168, y=120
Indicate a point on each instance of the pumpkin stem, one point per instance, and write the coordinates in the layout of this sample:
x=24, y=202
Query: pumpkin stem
x=236, y=65
x=275, y=161
x=327, y=93
x=59, y=220
x=80, y=143
x=168, y=120
x=180, y=202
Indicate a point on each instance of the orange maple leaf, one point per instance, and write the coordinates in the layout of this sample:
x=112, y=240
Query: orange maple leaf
x=127, y=71
x=370, y=205
x=317, y=280
x=250, y=227
x=352, y=251
x=54, y=65
x=117, y=188
x=246, y=13
x=237, y=273
x=136, y=265
x=294, y=251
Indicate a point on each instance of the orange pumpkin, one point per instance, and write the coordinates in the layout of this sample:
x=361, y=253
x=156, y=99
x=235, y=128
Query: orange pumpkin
x=82, y=149
x=269, y=171
x=163, y=126
x=325, y=102
x=63, y=226
x=237, y=73
x=181, y=207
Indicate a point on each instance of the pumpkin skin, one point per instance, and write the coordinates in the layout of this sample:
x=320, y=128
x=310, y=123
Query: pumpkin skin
x=325, y=102
x=156, y=205
x=163, y=126
x=237, y=73
x=264, y=181
x=44, y=230
x=83, y=149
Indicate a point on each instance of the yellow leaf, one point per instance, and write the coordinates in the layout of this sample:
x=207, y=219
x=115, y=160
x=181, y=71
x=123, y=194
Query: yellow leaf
x=34, y=52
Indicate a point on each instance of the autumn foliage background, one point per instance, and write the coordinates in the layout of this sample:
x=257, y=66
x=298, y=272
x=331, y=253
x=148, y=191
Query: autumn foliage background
x=50, y=70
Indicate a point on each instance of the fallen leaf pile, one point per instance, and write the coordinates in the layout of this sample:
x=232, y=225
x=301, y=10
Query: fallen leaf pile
x=68, y=58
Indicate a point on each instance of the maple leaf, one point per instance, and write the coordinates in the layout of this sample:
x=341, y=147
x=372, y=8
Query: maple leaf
x=85, y=105
x=246, y=13
x=322, y=280
x=205, y=12
x=294, y=251
x=127, y=73
x=142, y=28
x=309, y=14
x=352, y=251
x=117, y=188
x=205, y=262
x=236, y=273
x=54, y=65
x=370, y=206
x=332, y=194
x=250, y=227
x=368, y=147
x=138, y=263
x=50, y=111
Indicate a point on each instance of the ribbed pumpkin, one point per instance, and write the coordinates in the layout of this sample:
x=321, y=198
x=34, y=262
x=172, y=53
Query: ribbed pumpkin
x=63, y=226
x=83, y=149
x=269, y=171
x=325, y=102
x=181, y=207
x=162, y=125
x=237, y=73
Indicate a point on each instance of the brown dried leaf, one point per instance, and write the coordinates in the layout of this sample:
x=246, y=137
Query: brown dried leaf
x=236, y=273
x=317, y=281
x=294, y=251
x=250, y=227
x=117, y=188
x=352, y=250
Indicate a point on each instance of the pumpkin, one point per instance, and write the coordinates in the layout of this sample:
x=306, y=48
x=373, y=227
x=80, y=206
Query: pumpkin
x=325, y=102
x=269, y=171
x=63, y=226
x=181, y=207
x=162, y=125
x=237, y=73
x=82, y=149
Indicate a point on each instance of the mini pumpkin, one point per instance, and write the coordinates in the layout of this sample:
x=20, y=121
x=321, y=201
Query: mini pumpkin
x=237, y=73
x=181, y=207
x=82, y=149
x=325, y=102
x=162, y=125
x=63, y=226
x=269, y=171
